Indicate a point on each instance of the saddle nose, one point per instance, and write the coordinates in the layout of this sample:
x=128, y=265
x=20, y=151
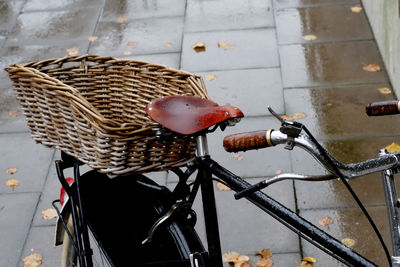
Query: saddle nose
x=189, y=115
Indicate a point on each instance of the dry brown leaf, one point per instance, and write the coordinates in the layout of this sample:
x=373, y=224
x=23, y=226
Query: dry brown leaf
x=310, y=37
x=12, y=183
x=32, y=260
x=14, y=113
x=127, y=53
x=287, y=117
x=168, y=44
x=210, y=77
x=300, y=115
x=277, y=172
x=243, y=261
x=132, y=43
x=49, y=214
x=325, y=221
x=122, y=19
x=238, y=156
x=11, y=171
x=199, y=47
x=93, y=38
x=349, y=242
x=222, y=187
x=372, y=68
x=246, y=264
x=393, y=147
x=264, y=262
x=384, y=90
x=225, y=45
x=230, y=256
x=356, y=9
x=73, y=51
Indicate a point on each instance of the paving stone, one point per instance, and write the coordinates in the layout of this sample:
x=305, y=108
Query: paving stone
x=136, y=9
x=227, y=15
x=350, y=223
x=250, y=90
x=329, y=23
x=330, y=63
x=329, y=194
x=280, y=259
x=54, y=26
x=147, y=36
x=303, y=3
x=41, y=240
x=340, y=112
x=16, y=212
x=31, y=5
x=253, y=163
x=171, y=60
x=9, y=11
x=250, y=49
x=31, y=160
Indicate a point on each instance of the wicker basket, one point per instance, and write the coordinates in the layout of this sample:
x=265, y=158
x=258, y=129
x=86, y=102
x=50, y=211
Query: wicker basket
x=93, y=109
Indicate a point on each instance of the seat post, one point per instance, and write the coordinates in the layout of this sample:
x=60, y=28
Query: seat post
x=202, y=146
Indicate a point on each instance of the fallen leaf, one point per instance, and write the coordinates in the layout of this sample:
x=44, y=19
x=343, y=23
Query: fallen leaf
x=11, y=171
x=242, y=261
x=14, y=113
x=230, y=256
x=127, y=52
x=265, y=253
x=310, y=37
x=225, y=45
x=210, y=77
x=325, y=221
x=348, y=242
x=238, y=156
x=246, y=264
x=278, y=172
x=93, y=38
x=372, y=68
x=384, y=90
x=168, y=44
x=299, y=115
x=307, y=262
x=199, y=47
x=264, y=262
x=393, y=147
x=73, y=51
x=287, y=117
x=132, y=43
x=356, y=9
x=49, y=214
x=222, y=187
x=12, y=183
x=122, y=19
x=32, y=260
x=310, y=259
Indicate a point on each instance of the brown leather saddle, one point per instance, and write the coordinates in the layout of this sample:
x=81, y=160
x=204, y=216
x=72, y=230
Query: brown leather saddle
x=189, y=114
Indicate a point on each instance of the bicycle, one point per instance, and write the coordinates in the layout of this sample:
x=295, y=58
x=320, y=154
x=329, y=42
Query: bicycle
x=166, y=222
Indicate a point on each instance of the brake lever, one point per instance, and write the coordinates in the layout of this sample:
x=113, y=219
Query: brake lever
x=290, y=128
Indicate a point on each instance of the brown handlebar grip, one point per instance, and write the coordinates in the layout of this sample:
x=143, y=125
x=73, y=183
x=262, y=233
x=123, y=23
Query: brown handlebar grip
x=383, y=108
x=247, y=141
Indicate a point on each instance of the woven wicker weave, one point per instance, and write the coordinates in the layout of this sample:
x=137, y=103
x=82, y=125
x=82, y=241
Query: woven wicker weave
x=93, y=109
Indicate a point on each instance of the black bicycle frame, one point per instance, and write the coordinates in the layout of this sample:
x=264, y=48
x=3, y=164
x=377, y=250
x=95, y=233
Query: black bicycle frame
x=290, y=219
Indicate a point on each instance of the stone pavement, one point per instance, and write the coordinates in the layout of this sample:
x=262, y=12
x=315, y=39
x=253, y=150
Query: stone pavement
x=298, y=56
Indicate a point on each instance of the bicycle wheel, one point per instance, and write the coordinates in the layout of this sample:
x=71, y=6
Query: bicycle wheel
x=119, y=213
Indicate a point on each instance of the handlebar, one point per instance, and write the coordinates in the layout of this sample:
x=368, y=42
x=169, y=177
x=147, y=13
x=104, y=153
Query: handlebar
x=248, y=141
x=383, y=108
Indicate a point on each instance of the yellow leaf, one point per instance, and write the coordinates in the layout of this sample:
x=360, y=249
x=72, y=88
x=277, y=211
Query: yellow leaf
x=11, y=171
x=93, y=38
x=73, y=51
x=199, y=47
x=49, y=214
x=127, y=52
x=325, y=221
x=393, y=147
x=230, y=256
x=372, y=68
x=32, y=260
x=225, y=45
x=238, y=156
x=210, y=77
x=384, y=90
x=310, y=37
x=299, y=115
x=242, y=261
x=122, y=19
x=287, y=117
x=348, y=242
x=222, y=187
x=14, y=113
x=356, y=9
x=265, y=253
x=168, y=44
x=12, y=183
x=132, y=43
x=310, y=259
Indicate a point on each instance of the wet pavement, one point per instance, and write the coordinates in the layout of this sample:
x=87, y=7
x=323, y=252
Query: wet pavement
x=298, y=56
